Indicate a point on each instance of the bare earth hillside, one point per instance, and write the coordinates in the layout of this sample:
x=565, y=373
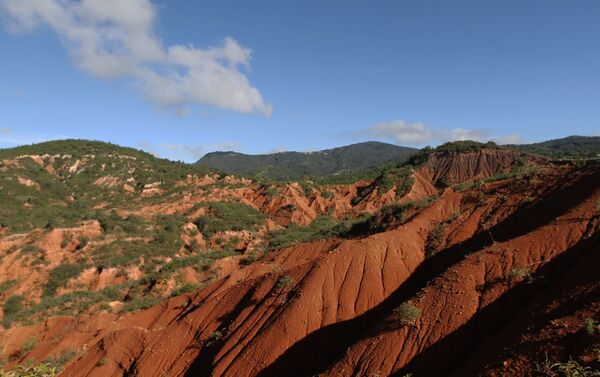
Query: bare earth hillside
x=464, y=262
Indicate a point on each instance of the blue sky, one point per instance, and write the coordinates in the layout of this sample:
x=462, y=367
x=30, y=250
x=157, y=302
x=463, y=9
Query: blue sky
x=181, y=78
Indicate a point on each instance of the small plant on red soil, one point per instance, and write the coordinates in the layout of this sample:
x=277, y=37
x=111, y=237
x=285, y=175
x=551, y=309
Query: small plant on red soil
x=519, y=273
x=590, y=326
x=285, y=282
x=408, y=313
x=571, y=368
x=40, y=370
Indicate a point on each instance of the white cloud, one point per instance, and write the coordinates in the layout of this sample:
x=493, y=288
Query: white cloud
x=401, y=132
x=418, y=134
x=509, y=139
x=115, y=38
x=5, y=131
x=464, y=134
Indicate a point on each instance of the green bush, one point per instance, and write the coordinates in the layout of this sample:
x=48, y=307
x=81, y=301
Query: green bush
x=137, y=303
x=590, y=326
x=224, y=216
x=327, y=194
x=28, y=345
x=285, y=282
x=60, y=275
x=40, y=370
x=519, y=273
x=5, y=286
x=12, y=306
x=408, y=313
x=321, y=227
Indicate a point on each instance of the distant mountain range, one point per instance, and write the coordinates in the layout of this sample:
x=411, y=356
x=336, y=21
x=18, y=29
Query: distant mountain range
x=362, y=157
x=285, y=166
x=568, y=147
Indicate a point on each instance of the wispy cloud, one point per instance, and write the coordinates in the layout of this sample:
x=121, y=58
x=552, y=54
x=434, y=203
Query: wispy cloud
x=418, y=134
x=5, y=131
x=116, y=38
x=190, y=153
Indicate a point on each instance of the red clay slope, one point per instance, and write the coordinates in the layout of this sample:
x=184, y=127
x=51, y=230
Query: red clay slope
x=327, y=307
x=334, y=313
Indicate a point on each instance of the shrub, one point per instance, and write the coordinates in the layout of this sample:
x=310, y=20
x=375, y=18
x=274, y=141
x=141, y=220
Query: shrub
x=40, y=370
x=224, y=216
x=463, y=186
x=215, y=336
x=519, y=273
x=28, y=345
x=434, y=239
x=408, y=313
x=570, y=368
x=60, y=275
x=83, y=241
x=31, y=249
x=102, y=361
x=5, y=286
x=285, y=282
x=590, y=326
x=186, y=288
x=327, y=194
x=65, y=241
x=137, y=303
x=321, y=227
x=13, y=305
x=250, y=258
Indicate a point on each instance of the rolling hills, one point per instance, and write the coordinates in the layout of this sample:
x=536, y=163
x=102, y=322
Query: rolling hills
x=466, y=259
x=294, y=166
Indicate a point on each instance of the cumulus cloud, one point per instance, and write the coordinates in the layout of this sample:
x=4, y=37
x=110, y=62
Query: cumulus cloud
x=401, y=132
x=115, y=38
x=418, y=134
x=509, y=139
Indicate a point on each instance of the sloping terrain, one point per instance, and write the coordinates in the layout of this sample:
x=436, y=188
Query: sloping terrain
x=293, y=166
x=471, y=260
x=568, y=147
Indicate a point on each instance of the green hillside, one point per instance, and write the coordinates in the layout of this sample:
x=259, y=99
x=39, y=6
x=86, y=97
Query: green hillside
x=568, y=147
x=289, y=166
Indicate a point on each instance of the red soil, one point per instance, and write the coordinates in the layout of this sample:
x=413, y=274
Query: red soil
x=501, y=275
